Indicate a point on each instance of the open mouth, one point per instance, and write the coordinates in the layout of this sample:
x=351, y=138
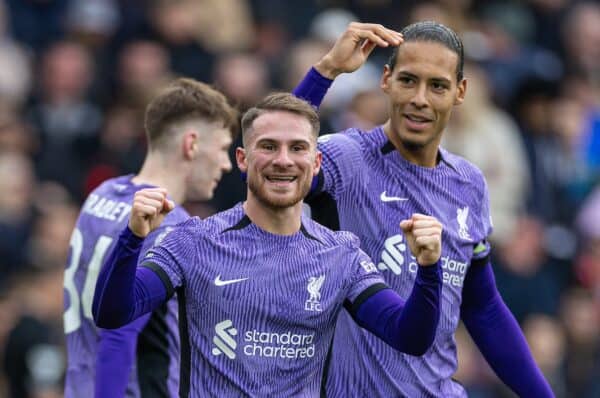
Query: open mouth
x=416, y=122
x=281, y=179
x=417, y=118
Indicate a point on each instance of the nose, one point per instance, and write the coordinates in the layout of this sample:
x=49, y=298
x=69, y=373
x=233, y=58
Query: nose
x=282, y=158
x=226, y=164
x=419, y=99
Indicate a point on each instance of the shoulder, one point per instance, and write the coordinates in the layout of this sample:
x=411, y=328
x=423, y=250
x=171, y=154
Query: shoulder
x=352, y=137
x=176, y=216
x=467, y=171
x=331, y=238
x=113, y=185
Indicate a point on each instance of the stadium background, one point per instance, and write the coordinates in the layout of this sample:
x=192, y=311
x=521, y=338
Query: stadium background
x=75, y=76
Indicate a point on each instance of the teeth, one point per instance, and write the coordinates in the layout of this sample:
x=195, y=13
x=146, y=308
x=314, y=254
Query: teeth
x=281, y=178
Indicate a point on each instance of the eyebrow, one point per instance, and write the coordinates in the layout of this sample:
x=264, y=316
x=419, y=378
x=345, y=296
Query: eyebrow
x=272, y=141
x=435, y=79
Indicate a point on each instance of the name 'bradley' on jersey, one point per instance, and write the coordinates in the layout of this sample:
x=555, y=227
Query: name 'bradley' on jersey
x=107, y=209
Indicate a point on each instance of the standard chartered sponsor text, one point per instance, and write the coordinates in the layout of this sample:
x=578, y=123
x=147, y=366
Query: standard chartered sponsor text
x=286, y=345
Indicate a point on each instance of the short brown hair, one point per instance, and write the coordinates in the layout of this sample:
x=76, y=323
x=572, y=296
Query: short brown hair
x=281, y=102
x=183, y=99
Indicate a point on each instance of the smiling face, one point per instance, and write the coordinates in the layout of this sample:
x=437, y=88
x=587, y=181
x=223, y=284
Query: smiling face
x=280, y=158
x=422, y=90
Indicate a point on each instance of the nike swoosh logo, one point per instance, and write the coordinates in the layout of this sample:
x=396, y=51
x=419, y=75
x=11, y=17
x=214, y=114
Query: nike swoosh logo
x=220, y=282
x=385, y=198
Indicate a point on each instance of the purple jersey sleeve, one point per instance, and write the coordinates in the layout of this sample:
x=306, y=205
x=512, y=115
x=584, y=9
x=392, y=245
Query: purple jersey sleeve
x=116, y=352
x=482, y=248
x=366, y=277
x=342, y=162
x=489, y=321
x=169, y=259
x=407, y=326
x=313, y=87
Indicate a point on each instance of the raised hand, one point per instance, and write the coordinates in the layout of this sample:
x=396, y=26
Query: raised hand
x=424, y=236
x=150, y=206
x=353, y=47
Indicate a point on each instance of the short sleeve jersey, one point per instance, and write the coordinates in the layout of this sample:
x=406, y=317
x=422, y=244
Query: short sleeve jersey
x=366, y=187
x=259, y=308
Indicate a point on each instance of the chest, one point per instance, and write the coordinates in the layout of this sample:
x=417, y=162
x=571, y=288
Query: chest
x=277, y=286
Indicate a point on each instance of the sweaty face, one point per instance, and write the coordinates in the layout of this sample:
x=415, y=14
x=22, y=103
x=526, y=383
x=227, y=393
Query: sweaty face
x=422, y=90
x=211, y=161
x=280, y=159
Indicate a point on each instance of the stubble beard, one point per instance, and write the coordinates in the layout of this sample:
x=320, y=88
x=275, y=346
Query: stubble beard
x=267, y=200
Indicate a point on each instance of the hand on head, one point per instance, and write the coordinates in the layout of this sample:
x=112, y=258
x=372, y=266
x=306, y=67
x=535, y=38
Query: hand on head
x=352, y=49
x=424, y=236
x=150, y=206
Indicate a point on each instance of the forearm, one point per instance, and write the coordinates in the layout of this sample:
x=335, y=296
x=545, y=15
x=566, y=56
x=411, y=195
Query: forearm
x=409, y=326
x=123, y=291
x=489, y=322
x=115, y=357
x=313, y=87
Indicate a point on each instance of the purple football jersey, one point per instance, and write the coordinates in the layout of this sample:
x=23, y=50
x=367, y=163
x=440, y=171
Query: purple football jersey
x=260, y=308
x=102, y=218
x=369, y=188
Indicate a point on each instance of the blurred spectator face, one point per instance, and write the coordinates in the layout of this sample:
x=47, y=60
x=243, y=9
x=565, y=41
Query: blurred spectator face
x=429, y=11
x=580, y=318
x=301, y=58
x=174, y=20
x=523, y=253
x=242, y=77
x=16, y=185
x=15, y=135
x=367, y=110
x=66, y=73
x=121, y=129
x=582, y=36
x=49, y=244
x=568, y=118
x=546, y=339
x=143, y=68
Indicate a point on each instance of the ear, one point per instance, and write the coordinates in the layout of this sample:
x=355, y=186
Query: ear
x=190, y=146
x=385, y=79
x=240, y=157
x=317, y=164
x=461, y=92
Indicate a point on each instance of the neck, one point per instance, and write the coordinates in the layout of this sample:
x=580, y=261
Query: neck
x=424, y=156
x=158, y=171
x=279, y=221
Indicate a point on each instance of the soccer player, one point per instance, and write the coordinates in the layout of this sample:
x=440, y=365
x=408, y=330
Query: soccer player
x=370, y=180
x=189, y=130
x=261, y=284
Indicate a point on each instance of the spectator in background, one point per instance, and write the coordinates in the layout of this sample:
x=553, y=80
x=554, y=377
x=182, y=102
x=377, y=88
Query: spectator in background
x=143, y=68
x=17, y=182
x=547, y=340
x=120, y=147
x=33, y=359
x=66, y=120
x=244, y=79
x=582, y=324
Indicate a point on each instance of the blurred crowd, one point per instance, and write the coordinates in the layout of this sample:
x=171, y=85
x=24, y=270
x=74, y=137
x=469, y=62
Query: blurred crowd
x=75, y=76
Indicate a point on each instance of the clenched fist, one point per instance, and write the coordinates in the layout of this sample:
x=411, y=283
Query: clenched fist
x=150, y=206
x=424, y=236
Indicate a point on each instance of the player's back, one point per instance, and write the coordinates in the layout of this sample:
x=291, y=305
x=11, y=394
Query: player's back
x=103, y=216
